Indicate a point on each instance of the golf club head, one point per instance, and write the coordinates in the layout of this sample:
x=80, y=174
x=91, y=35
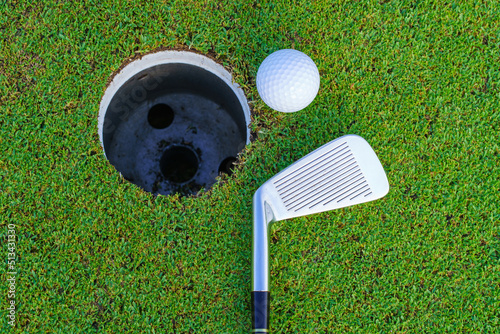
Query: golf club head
x=341, y=173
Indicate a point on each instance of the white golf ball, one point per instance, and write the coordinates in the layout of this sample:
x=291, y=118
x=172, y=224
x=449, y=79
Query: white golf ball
x=288, y=80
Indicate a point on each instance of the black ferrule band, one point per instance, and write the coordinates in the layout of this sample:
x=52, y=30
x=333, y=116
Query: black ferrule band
x=260, y=311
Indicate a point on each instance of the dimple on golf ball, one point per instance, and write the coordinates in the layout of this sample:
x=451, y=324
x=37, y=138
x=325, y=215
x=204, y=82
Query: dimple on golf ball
x=288, y=80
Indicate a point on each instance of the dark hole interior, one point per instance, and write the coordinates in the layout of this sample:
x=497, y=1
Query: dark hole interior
x=227, y=166
x=160, y=116
x=179, y=164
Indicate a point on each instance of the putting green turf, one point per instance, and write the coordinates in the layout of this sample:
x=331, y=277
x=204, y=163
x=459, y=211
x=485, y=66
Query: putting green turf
x=419, y=80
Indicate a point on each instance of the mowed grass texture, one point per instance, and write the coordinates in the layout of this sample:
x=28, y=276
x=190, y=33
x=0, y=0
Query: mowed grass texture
x=419, y=80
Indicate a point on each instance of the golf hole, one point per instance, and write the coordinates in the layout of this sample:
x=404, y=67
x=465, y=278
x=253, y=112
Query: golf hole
x=172, y=121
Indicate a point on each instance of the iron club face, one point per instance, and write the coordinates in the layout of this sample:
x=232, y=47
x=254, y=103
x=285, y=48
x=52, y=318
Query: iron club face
x=341, y=173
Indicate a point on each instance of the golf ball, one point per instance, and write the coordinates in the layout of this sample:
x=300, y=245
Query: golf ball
x=288, y=80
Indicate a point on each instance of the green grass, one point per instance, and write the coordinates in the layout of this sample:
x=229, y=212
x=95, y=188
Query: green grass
x=419, y=80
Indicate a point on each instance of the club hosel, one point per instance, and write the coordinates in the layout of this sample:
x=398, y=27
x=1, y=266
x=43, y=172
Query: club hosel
x=262, y=217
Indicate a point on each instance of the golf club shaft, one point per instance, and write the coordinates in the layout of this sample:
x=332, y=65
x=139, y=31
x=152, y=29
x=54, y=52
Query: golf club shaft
x=262, y=215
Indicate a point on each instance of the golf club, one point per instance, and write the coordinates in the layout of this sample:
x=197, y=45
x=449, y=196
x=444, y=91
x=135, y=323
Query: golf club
x=341, y=173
